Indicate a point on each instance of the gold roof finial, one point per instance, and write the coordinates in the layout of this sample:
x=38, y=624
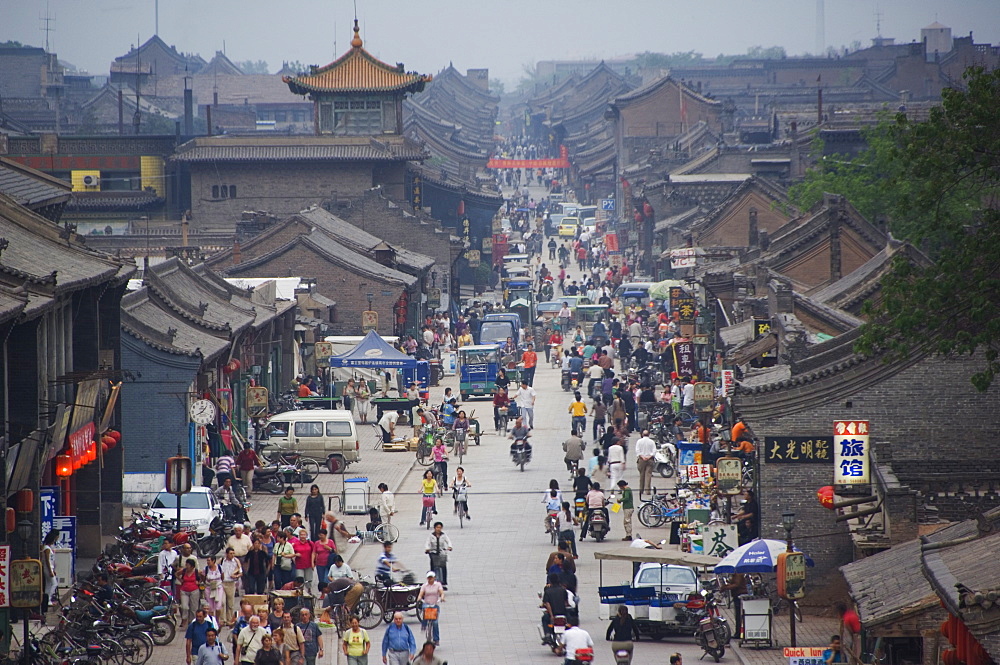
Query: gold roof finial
x=356, y=41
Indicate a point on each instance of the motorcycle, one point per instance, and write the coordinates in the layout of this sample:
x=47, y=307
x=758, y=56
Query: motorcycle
x=580, y=506
x=556, y=355
x=622, y=657
x=551, y=632
x=710, y=637
x=268, y=479
x=215, y=541
x=520, y=452
x=567, y=380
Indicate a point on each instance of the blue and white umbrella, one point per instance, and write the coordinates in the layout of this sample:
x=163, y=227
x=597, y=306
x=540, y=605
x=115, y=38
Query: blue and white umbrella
x=757, y=556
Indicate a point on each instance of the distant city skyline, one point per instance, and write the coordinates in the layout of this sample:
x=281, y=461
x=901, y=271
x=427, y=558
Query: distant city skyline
x=427, y=36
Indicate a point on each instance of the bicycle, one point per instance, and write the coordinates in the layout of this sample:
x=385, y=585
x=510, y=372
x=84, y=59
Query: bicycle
x=430, y=619
x=658, y=510
x=502, y=420
x=386, y=533
x=687, y=419
x=428, y=512
x=461, y=497
x=460, y=437
x=424, y=457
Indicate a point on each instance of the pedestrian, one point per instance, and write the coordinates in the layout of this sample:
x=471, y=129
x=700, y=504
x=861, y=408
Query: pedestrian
x=356, y=644
x=224, y=468
x=189, y=583
x=257, y=566
x=293, y=640
x=196, y=635
x=246, y=462
x=314, y=511
x=426, y=656
x=324, y=550
x=288, y=505
x=616, y=461
x=239, y=542
x=530, y=360
x=250, y=640
x=212, y=652
x=526, y=403
x=645, y=452
x=437, y=547
x=50, y=586
x=311, y=635
x=267, y=654
x=274, y=618
x=850, y=622
x=399, y=646
x=215, y=596
x=361, y=396
x=628, y=507
x=305, y=556
x=284, y=561
x=386, y=503
x=621, y=631
x=165, y=565
x=232, y=570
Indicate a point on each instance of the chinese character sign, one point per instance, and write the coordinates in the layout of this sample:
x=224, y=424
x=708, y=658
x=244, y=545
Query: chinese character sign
x=851, y=452
x=719, y=539
x=4, y=575
x=798, y=449
x=699, y=473
x=684, y=359
x=25, y=583
x=48, y=500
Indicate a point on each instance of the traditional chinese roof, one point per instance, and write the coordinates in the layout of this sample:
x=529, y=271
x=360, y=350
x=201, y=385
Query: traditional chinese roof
x=278, y=148
x=357, y=71
x=32, y=189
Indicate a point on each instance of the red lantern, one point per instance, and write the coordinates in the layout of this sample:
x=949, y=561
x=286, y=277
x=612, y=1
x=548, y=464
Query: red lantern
x=115, y=434
x=64, y=466
x=10, y=520
x=104, y=447
x=647, y=210
x=231, y=366
x=638, y=217
x=25, y=501
x=91, y=452
x=825, y=496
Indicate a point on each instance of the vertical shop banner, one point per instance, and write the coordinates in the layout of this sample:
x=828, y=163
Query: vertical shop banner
x=4, y=575
x=48, y=500
x=851, y=452
x=684, y=358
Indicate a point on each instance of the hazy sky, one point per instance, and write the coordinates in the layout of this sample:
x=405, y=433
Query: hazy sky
x=504, y=36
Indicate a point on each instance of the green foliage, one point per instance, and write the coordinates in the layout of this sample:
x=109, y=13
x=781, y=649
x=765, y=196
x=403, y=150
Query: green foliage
x=10, y=43
x=941, y=182
x=253, y=66
x=497, y=87
x=769, y=53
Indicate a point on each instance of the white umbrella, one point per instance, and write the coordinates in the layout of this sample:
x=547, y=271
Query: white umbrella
x=757, y=556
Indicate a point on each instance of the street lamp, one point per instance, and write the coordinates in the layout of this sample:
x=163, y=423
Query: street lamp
x=788, y=521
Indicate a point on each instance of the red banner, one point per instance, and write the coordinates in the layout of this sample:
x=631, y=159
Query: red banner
x=561, y=162
x=611, y=241
x=80, y=440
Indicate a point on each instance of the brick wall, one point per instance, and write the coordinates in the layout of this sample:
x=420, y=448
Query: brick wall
x=282, y=188
x=921, y=411
x=21, y=72
x=734, y=229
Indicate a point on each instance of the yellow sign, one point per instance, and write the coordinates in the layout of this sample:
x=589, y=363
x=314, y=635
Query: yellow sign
x=369, y=321
x=256, y=397
x=25, y=583
x=729, y=475
x=473, y=257
x=704, y=395
x=792, y=575
x=323, y=351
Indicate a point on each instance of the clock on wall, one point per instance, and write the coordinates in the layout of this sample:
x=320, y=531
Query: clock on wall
x=203, y=411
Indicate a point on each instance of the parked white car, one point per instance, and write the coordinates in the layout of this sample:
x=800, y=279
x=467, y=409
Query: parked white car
x=198, y=508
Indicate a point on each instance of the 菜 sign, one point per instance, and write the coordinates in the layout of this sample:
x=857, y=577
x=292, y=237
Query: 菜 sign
x=851, y=452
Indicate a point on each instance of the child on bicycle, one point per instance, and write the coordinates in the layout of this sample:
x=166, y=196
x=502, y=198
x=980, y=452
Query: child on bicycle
x=440, y=454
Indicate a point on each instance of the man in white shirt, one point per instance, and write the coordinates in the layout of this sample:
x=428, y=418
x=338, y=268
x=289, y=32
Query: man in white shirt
x=575, y=638
x=165, y=561
x=388, y=424
x=231, y=573
x=645, y=450
x=525, y=399
x=687, y=393
x=386, y=503
x=635, y=331
x=616, y=461
x=240, y=542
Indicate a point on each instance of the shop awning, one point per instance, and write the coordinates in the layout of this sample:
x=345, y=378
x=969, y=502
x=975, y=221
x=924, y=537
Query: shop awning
x=663, y=557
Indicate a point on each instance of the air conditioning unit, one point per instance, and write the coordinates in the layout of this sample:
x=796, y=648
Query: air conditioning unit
x=91, y=181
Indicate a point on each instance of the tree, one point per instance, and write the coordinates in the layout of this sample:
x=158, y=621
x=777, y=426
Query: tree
x=769, y=53
x=253, y=66
x=497, y=87
x=938, y=182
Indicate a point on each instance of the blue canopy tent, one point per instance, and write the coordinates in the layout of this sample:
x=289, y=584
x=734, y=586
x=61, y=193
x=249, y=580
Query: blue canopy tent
x=373, y=351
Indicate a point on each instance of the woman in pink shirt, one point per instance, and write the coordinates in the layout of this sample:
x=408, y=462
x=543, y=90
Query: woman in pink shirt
x=324, y=550
x=305, y=556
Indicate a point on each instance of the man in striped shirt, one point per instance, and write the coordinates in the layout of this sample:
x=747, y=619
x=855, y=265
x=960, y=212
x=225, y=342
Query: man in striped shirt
x=224, y=469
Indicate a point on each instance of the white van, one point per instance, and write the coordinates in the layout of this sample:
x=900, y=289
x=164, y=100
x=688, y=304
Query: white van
x=323, y=434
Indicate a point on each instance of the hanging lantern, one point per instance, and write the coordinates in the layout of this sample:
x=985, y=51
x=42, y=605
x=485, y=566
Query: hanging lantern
x=104, y=448
x=231, y=366
x=25, y=501
x=115, y=434
x=638, y=217
x=64, y=466
x=825, y=496
x=647, y=210
x=77, y=462
x=91, y=452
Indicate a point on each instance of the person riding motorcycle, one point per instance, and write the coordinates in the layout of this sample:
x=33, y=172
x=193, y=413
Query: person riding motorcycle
x=520, y=432
x=596, y=502
x=575, y=366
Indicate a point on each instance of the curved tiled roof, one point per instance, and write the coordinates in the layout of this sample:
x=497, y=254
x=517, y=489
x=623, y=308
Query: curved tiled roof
x=357, y=71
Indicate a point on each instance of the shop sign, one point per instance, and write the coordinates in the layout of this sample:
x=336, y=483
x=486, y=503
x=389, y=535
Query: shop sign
x=704, y=395
x=798, y=449
x=719, y=539
x=369, y=321
x=728, y=382
x=850, y=452
x=80, y=440
x=25, y=583
x=323, y=351
x=434, y=296
x=488, y=244
x=684, y=358
x=615, y=261
x=611, y=241
x=473, y=257
x=792, y=575
x=48, y=501
x=257, y=396
x=699, y=473
x=683, y=258
x=701, y=339
x=729, y=475
x=805, y=655
x=4, y=575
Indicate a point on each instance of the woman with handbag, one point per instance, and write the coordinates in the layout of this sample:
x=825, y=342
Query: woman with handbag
x=215, y=596
x=284, y=561
x=437, y=547
x=361, y=397
x=189, y=583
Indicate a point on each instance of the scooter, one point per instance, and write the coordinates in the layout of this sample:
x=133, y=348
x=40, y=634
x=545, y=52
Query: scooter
x=551, y=633
x=268, y=479
x=622, y=657
x=598, y=526
x=664, y=458
x=567, y=380
x=556, y=355
x=709, y=635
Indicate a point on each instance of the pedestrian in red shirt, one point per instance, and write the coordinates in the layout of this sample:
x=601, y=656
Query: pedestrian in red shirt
x=530, y=360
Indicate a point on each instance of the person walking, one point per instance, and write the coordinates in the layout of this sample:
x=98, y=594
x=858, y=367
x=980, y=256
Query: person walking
x=284, y=561
x=356, y=644
x=361, y=396
x=189, y=581
x=530, y=360
x=250, y=640
x=288, y=505
x=50, y=585
x=256, y=568
x=621, y=630
x=437, y=547
x=246, y=462
x=311, y=636
x=215, y=595
x=196, y=635
x=386, y=503
x=628, y=507
x=305, y=557
x=212, y=652
x=645, y=451
x=399, y=646
x=526, y=403
x=315, y=507
x=232, y=570
x=616, y=461
x=324, y=550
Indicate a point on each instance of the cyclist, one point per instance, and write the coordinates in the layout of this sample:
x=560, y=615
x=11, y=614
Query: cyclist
x=437, y=547
x=552, y=505
x=428, y=487
x=578, y=410
x=500, y=400
x=387, y=565
x=431, y=594
x=461, y=427
x=440, y=454
x=460, y=486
